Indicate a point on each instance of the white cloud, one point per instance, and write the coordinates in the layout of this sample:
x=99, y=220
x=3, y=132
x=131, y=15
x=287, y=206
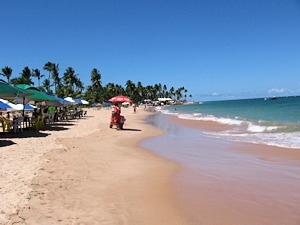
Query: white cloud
x=278, y=90
x=215, y=94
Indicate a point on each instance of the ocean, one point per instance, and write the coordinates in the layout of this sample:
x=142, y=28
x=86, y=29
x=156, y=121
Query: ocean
x=273, y=121
x=219, y=177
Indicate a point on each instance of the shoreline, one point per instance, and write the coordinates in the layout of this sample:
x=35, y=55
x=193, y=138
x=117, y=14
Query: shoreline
x=262, y=150
x=222, y=182
x=102, y=177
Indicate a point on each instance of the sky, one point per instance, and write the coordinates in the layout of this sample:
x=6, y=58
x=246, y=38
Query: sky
x=216, y=49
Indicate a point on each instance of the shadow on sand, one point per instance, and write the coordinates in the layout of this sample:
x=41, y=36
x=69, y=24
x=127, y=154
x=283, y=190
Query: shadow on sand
x=4, y=143
x=129, y=129
x=24, y=134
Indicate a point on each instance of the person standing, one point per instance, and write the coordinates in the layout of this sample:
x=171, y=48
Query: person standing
x=117, y=111
x=134, y=108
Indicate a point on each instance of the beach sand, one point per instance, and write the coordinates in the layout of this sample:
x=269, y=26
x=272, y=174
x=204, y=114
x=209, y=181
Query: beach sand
x=83, y=172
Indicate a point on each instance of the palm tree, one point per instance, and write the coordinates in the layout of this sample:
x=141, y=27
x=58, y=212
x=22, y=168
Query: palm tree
x=111, y=89
x=185, y=91
x=47, y=85
x=164, y=91
x=7, y=72
x=70, y=78
x=96, y=78
x=36, y=73
x=55, y=75
x=172, y=92
x=78, y=84
x=140, y=91
x=49, y=67
x=130, y=87
x=178, y=94
x=24, y=79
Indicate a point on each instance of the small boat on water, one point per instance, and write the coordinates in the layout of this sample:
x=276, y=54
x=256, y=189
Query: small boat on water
x=272, y=98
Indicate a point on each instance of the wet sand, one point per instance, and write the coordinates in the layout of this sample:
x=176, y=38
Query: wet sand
x=229, y=183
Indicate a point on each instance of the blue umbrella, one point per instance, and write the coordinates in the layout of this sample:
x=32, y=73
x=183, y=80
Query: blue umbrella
x=4, y=105
x=25, y=107
x=63, y=101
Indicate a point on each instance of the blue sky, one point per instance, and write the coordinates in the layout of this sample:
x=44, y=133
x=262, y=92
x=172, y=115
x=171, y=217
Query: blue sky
x=217, y=49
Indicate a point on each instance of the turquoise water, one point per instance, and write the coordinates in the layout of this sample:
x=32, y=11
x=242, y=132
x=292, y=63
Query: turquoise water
x=268, y=121
x=212, y=163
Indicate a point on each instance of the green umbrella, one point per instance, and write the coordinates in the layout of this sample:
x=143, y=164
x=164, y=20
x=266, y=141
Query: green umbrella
x=38, y=96
x=8, y=91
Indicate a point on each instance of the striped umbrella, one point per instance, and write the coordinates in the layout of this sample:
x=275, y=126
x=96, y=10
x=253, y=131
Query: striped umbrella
x=4, y=106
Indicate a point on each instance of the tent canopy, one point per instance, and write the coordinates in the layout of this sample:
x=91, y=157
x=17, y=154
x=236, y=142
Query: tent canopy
x=38, y=96
x=8, y=91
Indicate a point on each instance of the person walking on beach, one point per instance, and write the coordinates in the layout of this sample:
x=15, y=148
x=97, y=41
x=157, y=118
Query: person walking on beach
x=134, y=108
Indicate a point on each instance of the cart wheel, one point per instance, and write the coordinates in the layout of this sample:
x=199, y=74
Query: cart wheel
x=110, y=125
x=121, y=126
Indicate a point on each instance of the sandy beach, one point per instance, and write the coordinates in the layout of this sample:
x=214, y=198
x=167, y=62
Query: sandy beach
x=83, y=172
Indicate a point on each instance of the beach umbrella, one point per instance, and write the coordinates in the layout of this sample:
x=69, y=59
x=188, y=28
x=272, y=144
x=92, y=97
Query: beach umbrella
x=77, y=101
x=4, y=106
x=61, y=100
x=23, y=107
x=82, y=101
x=38, y=96
x=71, y=100
x=17, y=107
x=96, y=104
x=119, y=99
x=8, y=91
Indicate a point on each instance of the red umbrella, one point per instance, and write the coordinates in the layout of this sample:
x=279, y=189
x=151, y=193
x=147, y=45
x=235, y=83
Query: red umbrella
x=119, y=98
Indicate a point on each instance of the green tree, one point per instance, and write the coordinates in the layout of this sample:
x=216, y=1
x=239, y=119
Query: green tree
x=130, y=87
x=49, y=67
x=96, y=78
x=47, y=85
x=7, y=72
x=24, y=79
x=36, y=73
x=55, y=75
x=73, y=82
x=172, y=92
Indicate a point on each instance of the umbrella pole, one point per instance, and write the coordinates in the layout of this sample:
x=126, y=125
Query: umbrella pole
x=23, y=107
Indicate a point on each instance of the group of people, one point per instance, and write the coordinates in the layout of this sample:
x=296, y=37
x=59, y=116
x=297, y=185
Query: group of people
x=6, y=121
x=51, y=110
x=39, y=116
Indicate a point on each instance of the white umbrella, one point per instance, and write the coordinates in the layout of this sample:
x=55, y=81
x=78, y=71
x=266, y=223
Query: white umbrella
x=25, y=107
x=17, y=107
x=164, y=99
x=75, y=101
x=71, y=100
x=84, y=102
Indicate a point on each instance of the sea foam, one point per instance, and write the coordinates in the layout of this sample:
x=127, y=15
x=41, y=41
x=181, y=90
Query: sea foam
x=245, y=131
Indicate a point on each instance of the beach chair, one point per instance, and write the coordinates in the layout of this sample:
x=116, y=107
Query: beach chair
x=18, y=124
x=50, y=119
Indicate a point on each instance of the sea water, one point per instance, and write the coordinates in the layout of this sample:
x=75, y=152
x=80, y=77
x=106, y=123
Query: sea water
x=211, y=168
x=273, y=121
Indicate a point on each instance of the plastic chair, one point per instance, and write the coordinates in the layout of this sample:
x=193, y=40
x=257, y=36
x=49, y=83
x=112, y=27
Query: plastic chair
x=17, y=124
